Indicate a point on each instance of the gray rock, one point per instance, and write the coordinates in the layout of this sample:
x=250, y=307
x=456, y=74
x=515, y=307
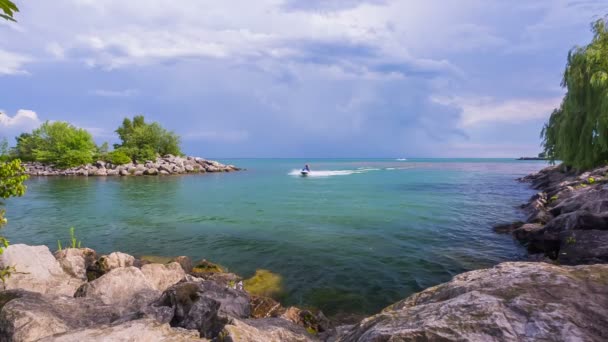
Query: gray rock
x=37, y=270
x=151, y=171
x=583, y=247
x=163, y=276
x=164, y=172
x=29, y=316
x=202, y=305
x=142, y=330
x=514, y=301
x=138, y=173
x=125, y=287
x=107, y=263
x=265, y=329
x=75, y=261
x=124, y=172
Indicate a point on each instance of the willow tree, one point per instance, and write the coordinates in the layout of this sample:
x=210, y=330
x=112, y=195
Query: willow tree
x=577, y=131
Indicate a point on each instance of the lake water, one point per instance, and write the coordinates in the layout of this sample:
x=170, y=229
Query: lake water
x=354, y=237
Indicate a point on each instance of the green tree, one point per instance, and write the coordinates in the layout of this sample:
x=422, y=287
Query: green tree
x=142, y=141
x=57, y=143
x=9, y=9
x=12, y=176
x=577, y=131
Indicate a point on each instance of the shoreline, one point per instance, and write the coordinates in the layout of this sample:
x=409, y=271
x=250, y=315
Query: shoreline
x=567, y=220
x=162, y=166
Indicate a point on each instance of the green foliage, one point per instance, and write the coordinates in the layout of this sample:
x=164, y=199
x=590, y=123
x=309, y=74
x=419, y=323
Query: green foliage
x=9, y=9
x=57, y=143
x=554, y=198
x=142, y=141
x=118, y=157
x=102, y=152
x=59, y=247
x=12, y=176
x=590, y=180
x=577, y=131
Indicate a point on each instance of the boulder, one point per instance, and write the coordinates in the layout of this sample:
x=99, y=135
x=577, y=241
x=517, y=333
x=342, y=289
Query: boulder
x=75, y=261
x=37, y=270
x=265, y=329
x=124, y=287
x=202, y=305
x=142, y=330
x=151, y=171
x=29, y=316
x=163, y=276
x=528, y=231
x=583, y=247
x=164, y=172
x=124, y=172
x=514, y=301
x=115, y=260
x=138, y=173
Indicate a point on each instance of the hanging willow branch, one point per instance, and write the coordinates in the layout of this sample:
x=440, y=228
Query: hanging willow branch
x=577, y=132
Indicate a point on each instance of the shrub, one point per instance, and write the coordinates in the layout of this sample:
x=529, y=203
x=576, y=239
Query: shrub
x=57, y=143
x=118, y=157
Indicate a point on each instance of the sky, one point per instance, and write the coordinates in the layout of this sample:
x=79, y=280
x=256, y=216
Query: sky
x=297, y=78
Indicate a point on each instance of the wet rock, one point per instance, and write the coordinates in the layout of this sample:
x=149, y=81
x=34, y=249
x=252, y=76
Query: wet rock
x=263, y=307
x=506, y=228
x=75, y=261
x=313, y=322
x=511, y=302
x=163, y=276
x=37, y=270
x=528, y=231
x=205, y=266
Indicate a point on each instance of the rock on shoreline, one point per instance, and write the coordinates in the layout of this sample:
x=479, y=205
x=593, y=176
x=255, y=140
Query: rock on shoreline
x=167, y=165
x=568, y=219
x=130, y=299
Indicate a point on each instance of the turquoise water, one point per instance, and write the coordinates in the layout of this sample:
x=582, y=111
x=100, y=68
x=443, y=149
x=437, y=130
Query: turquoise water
x=354, y=237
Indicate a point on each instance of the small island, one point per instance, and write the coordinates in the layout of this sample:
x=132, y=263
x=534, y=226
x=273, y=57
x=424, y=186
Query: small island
x=146, y=149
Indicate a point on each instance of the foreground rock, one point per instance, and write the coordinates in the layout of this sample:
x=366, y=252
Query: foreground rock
x=140, y=300
x=36, y=269
x=167, y=165
x=510, y=302
x=568, y=219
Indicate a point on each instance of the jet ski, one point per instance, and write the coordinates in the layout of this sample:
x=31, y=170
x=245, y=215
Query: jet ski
x=304, y=172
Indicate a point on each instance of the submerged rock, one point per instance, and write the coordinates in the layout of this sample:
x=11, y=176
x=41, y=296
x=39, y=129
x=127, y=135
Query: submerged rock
x=514, y=301
x=265, y=283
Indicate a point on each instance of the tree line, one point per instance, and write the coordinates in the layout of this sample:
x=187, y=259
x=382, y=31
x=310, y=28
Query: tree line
x=577, y=132
x=64, y=145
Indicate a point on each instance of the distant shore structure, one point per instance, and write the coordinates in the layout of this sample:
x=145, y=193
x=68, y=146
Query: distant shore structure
x=531, y=158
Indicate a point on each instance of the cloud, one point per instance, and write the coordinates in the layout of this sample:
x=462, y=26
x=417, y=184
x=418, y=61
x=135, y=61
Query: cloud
x=487, y=110
x=114, y=93
x=23, y=121
x=12, y=63
x=326, y=5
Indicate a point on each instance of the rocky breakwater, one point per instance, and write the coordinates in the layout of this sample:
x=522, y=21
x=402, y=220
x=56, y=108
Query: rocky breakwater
x=567, y=219
x=167, y=165
x=76, y=295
